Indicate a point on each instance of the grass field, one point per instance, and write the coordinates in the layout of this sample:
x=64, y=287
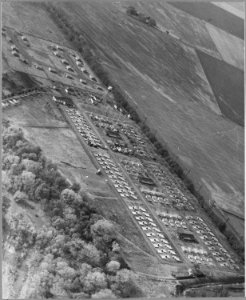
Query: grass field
x=185, y=27
x=214, y=15
x=31, y=18
x=166, y=83
x=236, y=8
x=228, y=85
x=230, y=47
x=35, y=110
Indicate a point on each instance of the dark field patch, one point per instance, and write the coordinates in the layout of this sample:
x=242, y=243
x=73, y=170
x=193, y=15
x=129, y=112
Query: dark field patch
x=227, y=83
x=214, y=15
x=16, y=81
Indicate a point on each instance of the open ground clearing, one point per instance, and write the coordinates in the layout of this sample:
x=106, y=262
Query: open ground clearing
x=35, y=110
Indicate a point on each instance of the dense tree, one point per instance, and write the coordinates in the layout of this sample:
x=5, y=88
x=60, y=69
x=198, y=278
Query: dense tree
x=124, y=284
x=90, y=255
x=8, y=160
x=152, y=22
x=11, y=135
x=76, y=187
x=5, y=204
x=20, y=197
x=68, y=196
x=94, y=282
x=103, y=233
x=61, y=183
x=31, y=166
x=104, y=294
x=113, y=266
x=78, y=245
x=28, y=180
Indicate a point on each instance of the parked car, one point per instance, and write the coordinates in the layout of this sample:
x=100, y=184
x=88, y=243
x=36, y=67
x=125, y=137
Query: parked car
x=38, y=67
x=57, y=54
x=52, y=70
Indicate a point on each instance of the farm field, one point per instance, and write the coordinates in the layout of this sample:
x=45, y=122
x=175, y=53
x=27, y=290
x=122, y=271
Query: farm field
x=214, y=15
x=167, y=89
x=230, y=47
x=185, y=28
x=228, y=85
x=236, y=8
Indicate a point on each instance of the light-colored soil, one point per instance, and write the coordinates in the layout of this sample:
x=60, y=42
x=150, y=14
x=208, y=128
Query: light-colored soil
x=230, y=47
x=236, y=8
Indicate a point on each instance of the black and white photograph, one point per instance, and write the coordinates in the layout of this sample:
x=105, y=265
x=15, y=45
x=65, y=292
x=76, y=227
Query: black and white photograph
x=122, y=149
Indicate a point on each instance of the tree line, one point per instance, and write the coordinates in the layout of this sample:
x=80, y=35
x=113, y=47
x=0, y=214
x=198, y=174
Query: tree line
x=79, y=254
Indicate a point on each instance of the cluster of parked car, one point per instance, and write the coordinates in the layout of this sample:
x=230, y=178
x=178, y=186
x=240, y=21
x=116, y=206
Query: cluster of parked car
x=13, y=48
x=154, y=234
x=174, y=196
x=167, y=198
x=162, y=175
x=102, y=121
x=141, y=214
x=10, y=102
x=138, y=141
x=116, y=176
x=137, y=145
x=15, y=52
x=201, y=259
x=119, y=146
x=84, y=129
x=112, y=132
x=137, y=171
x=173, y=220
x=79, y=62
x=219, y=253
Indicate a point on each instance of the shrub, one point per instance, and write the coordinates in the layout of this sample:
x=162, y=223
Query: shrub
x=20, y=196
x=113, y=266
x=104, y=294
